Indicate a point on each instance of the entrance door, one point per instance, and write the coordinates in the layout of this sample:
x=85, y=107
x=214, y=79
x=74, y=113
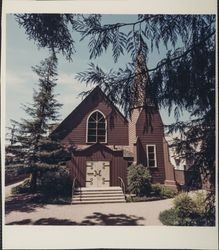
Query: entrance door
x=98, y=174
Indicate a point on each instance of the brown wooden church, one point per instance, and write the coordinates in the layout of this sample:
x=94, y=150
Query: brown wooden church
x=105, y=143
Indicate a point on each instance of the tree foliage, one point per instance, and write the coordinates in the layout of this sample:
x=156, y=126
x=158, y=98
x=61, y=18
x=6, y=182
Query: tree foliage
x=49, y=31
x=40, y=153
x=188, y=211
x=139, y=180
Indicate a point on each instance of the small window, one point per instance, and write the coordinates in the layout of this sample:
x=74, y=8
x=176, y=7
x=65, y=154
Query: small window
x=151, y=156
x=96, y=128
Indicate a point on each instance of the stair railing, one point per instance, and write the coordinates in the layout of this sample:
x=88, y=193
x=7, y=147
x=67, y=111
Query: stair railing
x=122, y=184
x=73, y=187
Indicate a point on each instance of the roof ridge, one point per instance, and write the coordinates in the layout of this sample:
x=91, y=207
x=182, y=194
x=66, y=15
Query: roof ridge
x=95, y=89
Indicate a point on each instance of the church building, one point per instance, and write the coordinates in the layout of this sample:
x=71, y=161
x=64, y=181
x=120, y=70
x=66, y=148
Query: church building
x=105, y=142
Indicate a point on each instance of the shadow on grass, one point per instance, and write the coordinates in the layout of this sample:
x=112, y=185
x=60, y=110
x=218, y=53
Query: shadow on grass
x=95, y=219
x=22, y=203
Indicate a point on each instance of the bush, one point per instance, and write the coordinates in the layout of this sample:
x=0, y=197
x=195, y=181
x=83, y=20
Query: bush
x=168, y=192
x=184, y=204
x=200, y=201
x=169, y=217
x=141, y=199
x=57, y=183
x=162, y=191
x=187, y=211
x=50, y=184
x=139, y=180
x=156, y=190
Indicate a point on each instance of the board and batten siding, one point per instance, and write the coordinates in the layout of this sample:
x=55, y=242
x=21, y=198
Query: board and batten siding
x=98, y=152
x=117, y=126
x=151, y=135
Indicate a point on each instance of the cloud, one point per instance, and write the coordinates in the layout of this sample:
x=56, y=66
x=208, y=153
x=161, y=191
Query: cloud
x=65, y=78
x=20, y=79
x=68, y=90
x=19, y=89
x=13, y=80
x=68, y=80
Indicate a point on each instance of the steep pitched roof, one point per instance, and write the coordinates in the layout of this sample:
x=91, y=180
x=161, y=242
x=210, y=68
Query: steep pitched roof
x=62, y=129
x=98, y=145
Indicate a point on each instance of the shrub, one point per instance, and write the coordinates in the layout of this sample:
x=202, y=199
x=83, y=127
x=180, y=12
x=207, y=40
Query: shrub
x=162, y=191
x=139, y=180
x=200, y=201
x=168, y=192
x=184, y=204
x=156, y=189
x=187, y=211
x=169, y=217
x=55, y=183
x=51, y=184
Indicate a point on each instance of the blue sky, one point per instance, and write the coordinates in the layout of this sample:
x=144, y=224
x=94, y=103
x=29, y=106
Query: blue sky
x=22, y=53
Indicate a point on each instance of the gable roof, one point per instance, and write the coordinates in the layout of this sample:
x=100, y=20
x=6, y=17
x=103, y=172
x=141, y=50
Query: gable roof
x=61, y=130
x=98, y=146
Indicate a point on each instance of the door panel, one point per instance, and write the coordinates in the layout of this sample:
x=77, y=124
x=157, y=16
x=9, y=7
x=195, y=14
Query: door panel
x=98, y=174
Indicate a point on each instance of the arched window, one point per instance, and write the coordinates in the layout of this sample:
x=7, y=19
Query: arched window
x=96, y=127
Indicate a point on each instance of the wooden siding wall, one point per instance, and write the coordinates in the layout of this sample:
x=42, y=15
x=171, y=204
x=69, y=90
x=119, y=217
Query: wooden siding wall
x=117, y=126
x=149, y=130
x=118, y=166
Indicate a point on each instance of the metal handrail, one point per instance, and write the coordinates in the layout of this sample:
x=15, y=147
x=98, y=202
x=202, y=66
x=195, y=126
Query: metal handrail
x=73, y=187
x=122, y=184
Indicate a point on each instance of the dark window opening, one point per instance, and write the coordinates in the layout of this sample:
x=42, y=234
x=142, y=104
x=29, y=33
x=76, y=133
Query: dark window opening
x=151, y=156
x=96, y=128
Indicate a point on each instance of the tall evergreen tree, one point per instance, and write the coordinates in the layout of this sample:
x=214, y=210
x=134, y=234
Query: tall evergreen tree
x=41, y=153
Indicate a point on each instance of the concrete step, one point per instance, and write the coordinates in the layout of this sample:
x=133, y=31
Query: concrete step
x=98, y=195
x=98, y=201
x=98, y=192
x=91, y=189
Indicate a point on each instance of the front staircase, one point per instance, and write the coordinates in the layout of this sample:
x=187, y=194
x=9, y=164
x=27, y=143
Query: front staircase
x=98, y=195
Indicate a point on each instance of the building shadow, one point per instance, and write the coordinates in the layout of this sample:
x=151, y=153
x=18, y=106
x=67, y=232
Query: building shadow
x=22, y=203
x=94, y=219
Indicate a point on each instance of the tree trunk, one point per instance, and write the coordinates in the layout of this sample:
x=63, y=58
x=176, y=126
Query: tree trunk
x=33, y=182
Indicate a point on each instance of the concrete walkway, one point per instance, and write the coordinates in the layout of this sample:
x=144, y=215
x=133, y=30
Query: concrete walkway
x=19, y=211
x=9, y=187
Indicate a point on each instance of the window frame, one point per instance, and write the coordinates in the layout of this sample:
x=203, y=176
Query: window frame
x=96, y=110
x=155, y=155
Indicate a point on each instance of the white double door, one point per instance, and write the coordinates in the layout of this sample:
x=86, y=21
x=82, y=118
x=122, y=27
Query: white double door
x=98, y=174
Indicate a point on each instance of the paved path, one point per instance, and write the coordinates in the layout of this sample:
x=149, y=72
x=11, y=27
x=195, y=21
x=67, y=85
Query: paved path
x=9, y=187
x=20, y=212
